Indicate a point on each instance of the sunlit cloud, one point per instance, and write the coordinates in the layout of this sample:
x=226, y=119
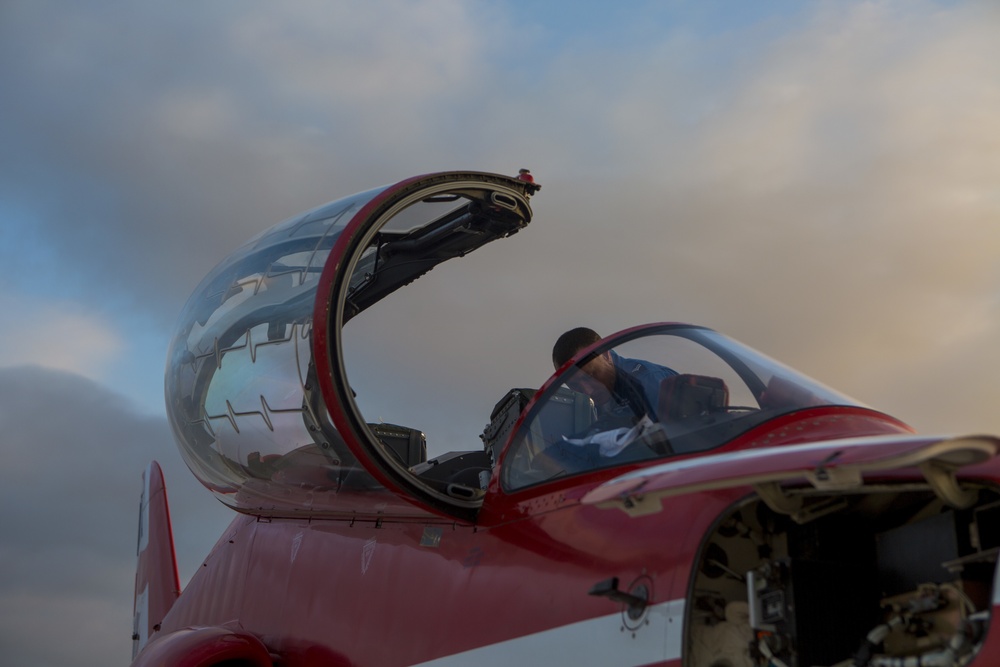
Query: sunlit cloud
x=59, y=336
x=393, y=53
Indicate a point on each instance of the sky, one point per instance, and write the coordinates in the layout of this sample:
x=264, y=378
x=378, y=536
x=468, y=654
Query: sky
x=820, y=180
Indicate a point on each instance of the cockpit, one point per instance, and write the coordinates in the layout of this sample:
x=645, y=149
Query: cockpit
x=285, y=378
x=655, y=392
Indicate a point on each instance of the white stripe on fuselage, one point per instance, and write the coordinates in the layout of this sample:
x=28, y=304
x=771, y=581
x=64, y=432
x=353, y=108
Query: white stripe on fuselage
x=598, y=641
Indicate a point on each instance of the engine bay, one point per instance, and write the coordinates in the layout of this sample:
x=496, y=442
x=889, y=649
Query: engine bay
x=885, y=576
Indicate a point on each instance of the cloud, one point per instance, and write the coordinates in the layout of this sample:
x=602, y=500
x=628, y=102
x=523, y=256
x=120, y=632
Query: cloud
x=390, y=54
x=217, y=124
x=56, y=335
x=184, y=152
x=74, y=453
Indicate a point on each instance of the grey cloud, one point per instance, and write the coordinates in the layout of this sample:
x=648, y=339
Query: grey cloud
x=146, y=145
x=173, y=154
x=74, y=453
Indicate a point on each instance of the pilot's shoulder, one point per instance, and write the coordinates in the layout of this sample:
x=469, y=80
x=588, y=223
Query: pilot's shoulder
x=639, y=367
x=629, y=365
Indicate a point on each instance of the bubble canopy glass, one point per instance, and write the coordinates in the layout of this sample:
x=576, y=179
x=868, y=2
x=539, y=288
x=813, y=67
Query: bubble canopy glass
x=257, y=394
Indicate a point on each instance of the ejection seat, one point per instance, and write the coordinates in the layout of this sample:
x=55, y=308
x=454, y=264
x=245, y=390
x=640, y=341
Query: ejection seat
x=684, y=396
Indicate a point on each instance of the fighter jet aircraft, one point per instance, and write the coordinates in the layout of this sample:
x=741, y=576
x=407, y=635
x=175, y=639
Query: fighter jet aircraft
x=722, y=511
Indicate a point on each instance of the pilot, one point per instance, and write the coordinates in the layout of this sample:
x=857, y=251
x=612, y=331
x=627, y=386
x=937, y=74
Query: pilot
x=625, y=392
x=619, y=386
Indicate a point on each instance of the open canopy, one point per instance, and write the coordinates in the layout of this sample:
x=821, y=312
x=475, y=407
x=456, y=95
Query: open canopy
x=257, y=393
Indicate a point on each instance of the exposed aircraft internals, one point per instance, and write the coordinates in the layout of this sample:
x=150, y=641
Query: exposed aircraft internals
x=668, y=496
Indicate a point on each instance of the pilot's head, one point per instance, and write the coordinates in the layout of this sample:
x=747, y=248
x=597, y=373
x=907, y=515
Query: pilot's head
x=598, y=373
